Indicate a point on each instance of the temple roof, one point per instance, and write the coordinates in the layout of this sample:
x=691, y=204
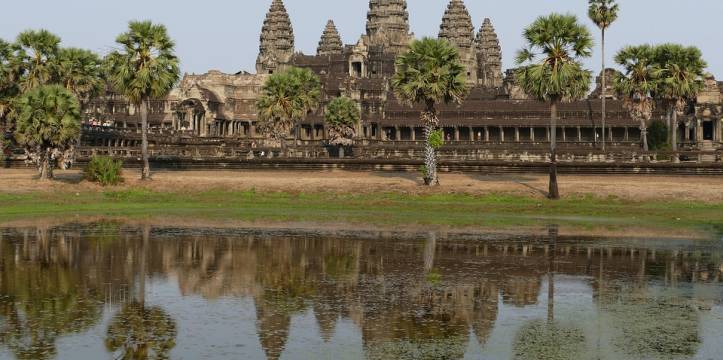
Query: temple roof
x=457, y=25
x=388, y=24
x=277, y=34
x=330, y=43
x=488, y=45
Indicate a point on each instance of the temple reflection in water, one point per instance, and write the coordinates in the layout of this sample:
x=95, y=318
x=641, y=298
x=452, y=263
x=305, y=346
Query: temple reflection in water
x=149, y=293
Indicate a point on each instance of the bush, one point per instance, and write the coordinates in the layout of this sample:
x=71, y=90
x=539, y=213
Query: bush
x=658, y=136
x=436, y=139
x=104, y=170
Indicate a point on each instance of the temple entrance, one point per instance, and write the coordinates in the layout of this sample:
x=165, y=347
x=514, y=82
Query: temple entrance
x=707, y=130
x=190, y=116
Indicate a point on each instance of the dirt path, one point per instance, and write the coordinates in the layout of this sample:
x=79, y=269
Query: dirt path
x=633, y=187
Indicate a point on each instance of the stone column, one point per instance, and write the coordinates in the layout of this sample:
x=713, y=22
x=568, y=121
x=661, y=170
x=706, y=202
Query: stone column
x=456, y=133
x=699, y=131
x=610, y=133
x=579, y=134
x=502, y=134
x=547, y=133
x=517, y=134
x=532, y=134
x=397, y=133
x=627, y=134
x=414, y=133
x=471, y=134
x=487, y=134
x=564, y=134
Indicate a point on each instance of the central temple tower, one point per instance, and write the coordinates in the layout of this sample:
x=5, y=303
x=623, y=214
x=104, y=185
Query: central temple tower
x=388, y=25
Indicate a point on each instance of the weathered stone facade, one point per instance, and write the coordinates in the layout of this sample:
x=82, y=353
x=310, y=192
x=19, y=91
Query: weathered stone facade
x=496, y=113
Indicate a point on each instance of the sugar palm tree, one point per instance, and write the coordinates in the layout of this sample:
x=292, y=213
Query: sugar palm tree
x=144, y=68
x=8, y=78
x=551, y=70
x=342, y=116
x=80, y=72
x=603, y=13
x=637, y=84
x=681, y=79
x=429, y=73
x=37, y=50
x=286, y=98
x=47, y=121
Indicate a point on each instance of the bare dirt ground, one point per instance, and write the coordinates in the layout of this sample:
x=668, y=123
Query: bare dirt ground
x=632, y=187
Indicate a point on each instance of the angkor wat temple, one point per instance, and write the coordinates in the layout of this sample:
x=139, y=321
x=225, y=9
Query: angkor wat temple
x=217, y=108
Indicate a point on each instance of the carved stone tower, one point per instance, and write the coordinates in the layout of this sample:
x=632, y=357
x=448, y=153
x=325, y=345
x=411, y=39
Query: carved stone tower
x=388, y=25
x=457, y=28
x=489, y=57
x=330, y=43
x=277, y=40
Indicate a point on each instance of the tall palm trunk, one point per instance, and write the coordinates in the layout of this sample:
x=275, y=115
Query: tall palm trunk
x=554, y=193
x=604, y=89
x=146, y=172
x=674, y=129
x=429, y=117
x=46, y=167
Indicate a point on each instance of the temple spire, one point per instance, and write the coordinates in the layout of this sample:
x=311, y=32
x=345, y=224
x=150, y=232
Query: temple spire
x=388, y=24
x=489, y=56
x=277, y=39
x=330, y=43
x=457, y=28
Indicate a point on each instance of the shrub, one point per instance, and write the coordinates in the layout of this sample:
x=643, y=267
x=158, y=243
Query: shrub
x=104, y=170
x=436, y=139
x=658, y=136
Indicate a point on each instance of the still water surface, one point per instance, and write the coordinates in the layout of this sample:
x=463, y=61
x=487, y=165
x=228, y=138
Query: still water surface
x=110, y=291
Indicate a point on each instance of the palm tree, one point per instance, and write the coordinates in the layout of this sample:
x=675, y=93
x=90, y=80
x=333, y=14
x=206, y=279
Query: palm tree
x=551, y=70
x=80, y=72
x=603, y=13
x=37, y=50
x=47, y=121
x=286, y=98
x=342, y=116
x=8, y=78
x=638, y=84
x=145, y=68
x=681, y=79
x=430, y=72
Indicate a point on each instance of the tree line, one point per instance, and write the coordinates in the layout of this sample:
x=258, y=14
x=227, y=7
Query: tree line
x=43, y=88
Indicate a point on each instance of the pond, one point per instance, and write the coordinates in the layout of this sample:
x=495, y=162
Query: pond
x=111, y=290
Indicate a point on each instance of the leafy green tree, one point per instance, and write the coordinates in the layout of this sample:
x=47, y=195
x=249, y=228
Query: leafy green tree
x=145, y=68
x=37, y=51
x=551, y=70
x=637, y=85
x=47, y=125
x=658, y=136
x=430, y=72
x=681, y=79
x=8, y=88
x=342, y=116
x=603, y=13
x=286, y=98
x=80, y=71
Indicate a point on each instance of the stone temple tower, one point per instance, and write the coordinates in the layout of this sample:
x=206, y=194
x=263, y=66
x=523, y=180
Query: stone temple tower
x=388, y=25
x=277, y=40
x=457, y=28
x=330, y=43
x=489, y=57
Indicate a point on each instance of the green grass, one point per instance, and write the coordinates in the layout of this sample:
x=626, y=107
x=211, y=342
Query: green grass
x=386, y=209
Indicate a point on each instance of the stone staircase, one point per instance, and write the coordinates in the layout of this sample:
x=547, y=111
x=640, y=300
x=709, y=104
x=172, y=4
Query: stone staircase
x=707, y=146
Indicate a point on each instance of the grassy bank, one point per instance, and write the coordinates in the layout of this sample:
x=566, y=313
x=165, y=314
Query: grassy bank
x=386, y=209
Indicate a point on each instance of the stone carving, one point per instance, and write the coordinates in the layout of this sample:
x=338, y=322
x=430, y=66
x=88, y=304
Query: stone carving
x=388, y=25
x=610, y=92
x=277, y=39
x=489, y=56
x=330, y=43
x=457, y=28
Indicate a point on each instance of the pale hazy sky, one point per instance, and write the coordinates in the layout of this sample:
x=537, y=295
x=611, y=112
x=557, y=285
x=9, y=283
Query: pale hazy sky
x=224, y=34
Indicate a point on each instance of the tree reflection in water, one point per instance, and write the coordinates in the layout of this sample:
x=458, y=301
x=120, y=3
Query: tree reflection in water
x=431, y=297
